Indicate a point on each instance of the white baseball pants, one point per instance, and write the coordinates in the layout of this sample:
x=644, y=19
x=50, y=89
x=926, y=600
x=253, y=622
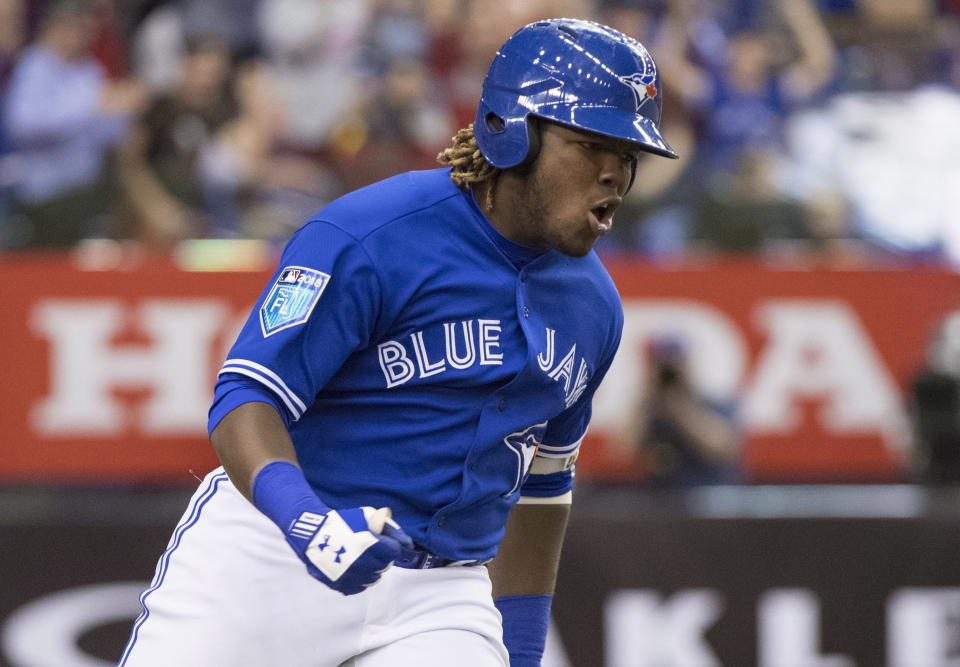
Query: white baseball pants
x=229, y=591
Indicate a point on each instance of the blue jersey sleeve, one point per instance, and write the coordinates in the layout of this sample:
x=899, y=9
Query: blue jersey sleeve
x=233, y=390
x=553, y=467
x=320, y=305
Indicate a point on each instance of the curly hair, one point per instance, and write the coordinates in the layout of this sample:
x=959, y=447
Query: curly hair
x=468, y=164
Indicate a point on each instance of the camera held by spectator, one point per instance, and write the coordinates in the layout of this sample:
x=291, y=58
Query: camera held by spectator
x=682, y=438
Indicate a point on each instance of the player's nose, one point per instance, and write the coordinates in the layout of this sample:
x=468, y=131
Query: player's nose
x=614, y=172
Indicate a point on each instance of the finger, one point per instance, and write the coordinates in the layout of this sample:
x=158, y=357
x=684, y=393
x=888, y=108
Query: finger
x=378, y=518
x=391, y=529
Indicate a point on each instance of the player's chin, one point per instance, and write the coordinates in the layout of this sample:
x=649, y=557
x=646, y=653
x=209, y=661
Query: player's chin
x=579, y=252
x=579, y=246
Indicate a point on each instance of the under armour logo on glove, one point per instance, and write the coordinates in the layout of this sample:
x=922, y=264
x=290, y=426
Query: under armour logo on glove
x=346, y=546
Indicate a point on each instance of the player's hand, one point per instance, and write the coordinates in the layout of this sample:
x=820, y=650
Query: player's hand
x=349, y=549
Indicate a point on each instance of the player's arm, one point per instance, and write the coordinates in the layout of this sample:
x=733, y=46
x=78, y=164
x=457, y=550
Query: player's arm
x=247, y=439
x=324, y=295
x=529, y=554
x=524, y=574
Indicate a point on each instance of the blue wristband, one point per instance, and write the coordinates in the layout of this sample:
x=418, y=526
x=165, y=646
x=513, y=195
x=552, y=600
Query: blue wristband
x=525, y=622
x=282, y=493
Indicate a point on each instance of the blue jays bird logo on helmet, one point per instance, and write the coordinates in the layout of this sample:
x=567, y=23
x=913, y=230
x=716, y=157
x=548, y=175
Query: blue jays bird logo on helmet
x=643, y=84
x=644, y=87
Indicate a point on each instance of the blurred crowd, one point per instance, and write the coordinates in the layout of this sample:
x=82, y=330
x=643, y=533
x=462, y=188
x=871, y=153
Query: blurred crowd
x=820, y=128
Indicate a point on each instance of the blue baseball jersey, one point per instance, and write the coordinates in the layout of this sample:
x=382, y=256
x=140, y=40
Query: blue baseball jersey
x=424, y=362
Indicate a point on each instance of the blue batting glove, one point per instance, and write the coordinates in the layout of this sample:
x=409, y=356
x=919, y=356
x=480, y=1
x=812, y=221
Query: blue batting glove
x=348, y=549
x=340, y=549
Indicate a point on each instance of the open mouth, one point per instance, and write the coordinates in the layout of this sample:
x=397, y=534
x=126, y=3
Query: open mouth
x=601, y=218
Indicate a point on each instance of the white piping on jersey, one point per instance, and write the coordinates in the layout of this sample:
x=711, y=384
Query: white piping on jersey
x=559, y=451
x=276, y=390
x=562, y=499
x=264, y=375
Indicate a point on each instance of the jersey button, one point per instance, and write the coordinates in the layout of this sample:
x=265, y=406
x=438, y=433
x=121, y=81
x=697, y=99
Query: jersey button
x=441, y=520
x=502, y=405
x=526, y=312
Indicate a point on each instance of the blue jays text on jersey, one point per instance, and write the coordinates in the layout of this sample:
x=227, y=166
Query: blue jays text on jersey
x=422, y=361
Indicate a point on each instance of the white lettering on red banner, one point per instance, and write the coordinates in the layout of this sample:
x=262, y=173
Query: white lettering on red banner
x=86, y=367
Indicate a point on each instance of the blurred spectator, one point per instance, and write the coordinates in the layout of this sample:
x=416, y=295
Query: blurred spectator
x=730, y=86
x=313, y=49
x=636, y=18
x=161, y=36
x=396, y=30
x=744, y=94
x=443, y=19
x=935, y=407
x=887, y=45
x=404, y=122
x=12, y=36
x=682, y=438
x=109, y=43
x=62, y=118
x=747, y=214
x=157, y=45
x=903, y=187
x=233, y=21
x=158, y=163
x=252, y=188
x=897, y=70
x=947, y=50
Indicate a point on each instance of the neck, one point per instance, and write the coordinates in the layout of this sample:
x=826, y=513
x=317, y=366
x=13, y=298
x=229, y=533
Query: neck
x=500, y=202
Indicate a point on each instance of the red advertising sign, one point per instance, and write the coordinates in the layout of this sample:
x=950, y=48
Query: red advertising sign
x=817, y=361
x=109, y=373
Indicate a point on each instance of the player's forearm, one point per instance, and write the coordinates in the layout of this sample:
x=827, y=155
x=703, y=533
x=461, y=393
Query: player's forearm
x=529, y=554
x=247, y=439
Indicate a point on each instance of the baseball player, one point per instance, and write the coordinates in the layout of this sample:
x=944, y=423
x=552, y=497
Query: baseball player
x=406, y=402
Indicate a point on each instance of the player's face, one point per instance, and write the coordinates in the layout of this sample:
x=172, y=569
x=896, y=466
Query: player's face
x=573, y=189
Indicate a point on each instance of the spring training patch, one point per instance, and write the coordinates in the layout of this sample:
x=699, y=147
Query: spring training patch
x=292, y=298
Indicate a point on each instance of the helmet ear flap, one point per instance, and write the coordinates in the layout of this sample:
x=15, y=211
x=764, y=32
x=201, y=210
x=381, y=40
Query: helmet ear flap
x=533, y=142
x=525, y=140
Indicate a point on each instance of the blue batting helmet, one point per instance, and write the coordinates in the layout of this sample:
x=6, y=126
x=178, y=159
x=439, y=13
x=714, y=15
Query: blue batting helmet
x=577, y=73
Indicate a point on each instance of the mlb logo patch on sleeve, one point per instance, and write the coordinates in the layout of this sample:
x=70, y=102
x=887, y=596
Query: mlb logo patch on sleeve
x=292, y=298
